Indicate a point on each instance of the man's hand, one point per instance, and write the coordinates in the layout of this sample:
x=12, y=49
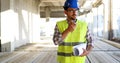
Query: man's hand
x=85, y=52
x=71, y=26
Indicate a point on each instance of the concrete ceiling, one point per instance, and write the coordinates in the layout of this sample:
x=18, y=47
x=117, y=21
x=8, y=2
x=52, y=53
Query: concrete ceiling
x=54, y=8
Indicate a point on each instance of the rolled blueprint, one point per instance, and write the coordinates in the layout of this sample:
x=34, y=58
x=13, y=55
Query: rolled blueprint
x=78, y=49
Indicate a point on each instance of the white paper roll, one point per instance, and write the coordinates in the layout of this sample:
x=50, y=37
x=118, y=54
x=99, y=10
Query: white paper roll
x=78, y=49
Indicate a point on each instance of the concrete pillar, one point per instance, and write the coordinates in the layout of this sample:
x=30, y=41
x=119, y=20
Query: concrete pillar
x=107, y=18
x=0, y=25
x=105, y=31
x=47, y=13
x=110, y=21
x=6, y=26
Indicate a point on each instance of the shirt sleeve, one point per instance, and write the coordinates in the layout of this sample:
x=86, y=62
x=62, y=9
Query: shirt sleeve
x=57, y=37
x=89, y=38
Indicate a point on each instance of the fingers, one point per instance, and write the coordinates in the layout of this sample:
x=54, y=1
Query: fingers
x=85, y=52
x=72, y=26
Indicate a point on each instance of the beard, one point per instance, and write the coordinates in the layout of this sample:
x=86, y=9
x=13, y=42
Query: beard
x=73, y=18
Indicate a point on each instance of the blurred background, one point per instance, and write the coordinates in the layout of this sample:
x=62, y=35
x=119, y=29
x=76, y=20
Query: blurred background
x=26, y=23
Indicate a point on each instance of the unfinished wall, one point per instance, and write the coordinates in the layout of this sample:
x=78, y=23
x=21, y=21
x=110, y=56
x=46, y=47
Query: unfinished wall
x=17, y=18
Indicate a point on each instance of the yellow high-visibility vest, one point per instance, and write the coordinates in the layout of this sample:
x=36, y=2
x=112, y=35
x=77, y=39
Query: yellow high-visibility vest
x=65, y=49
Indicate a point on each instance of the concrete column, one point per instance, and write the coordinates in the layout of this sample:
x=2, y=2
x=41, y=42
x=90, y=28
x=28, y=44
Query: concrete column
x=110, y=20
x=47, y=13
x=105, y=31
x=106, y=13
x=6, y=18
x=0, y=25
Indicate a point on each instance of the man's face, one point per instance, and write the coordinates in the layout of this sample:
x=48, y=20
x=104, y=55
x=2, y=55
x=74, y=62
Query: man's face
x=71, y=13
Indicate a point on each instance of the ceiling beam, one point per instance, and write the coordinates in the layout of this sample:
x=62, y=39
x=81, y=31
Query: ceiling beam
x=81, y=2
x=51, y=3
x=97, y=3
x=52, y=0
x=52, y=8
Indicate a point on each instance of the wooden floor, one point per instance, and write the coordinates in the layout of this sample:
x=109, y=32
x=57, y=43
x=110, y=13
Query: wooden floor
x=46, y=52
x=104, y=53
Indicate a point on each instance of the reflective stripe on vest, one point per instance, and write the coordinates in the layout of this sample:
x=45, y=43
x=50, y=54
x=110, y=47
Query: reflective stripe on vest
x=70, y=43
x=65, y=54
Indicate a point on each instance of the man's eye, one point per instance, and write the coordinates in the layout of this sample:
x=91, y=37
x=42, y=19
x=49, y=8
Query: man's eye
x=72, y=10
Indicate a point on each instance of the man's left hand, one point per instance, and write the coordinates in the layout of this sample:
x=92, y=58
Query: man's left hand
x=85, y=52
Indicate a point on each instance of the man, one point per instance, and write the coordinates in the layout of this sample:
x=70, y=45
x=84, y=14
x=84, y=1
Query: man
x=71, y=32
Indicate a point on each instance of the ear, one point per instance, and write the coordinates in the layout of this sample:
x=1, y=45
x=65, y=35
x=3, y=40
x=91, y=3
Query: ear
x=65, y=12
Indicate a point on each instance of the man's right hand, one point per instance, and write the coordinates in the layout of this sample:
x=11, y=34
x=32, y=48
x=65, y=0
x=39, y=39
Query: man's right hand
x=71, y=26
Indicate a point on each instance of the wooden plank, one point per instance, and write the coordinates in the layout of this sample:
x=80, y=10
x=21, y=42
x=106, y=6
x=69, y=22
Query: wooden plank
x=10, y=57
x=101, y=57
x=102, y=53
x=115, y=55
x=87, y=60
x=99, y=45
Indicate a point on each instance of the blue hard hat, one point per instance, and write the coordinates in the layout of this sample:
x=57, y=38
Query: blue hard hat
x=71, y=4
